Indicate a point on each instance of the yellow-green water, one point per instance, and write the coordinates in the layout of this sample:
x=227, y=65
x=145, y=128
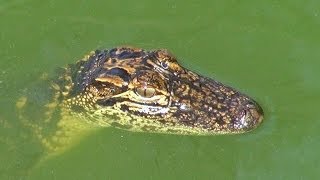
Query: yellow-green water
x=267, y=49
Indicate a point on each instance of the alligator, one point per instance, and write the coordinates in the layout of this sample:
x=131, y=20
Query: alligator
x=141, y=91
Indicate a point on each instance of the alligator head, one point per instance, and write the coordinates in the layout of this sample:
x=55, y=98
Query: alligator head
x=149, y=91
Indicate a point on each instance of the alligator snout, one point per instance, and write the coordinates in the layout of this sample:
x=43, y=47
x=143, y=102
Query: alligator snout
x=249, y=118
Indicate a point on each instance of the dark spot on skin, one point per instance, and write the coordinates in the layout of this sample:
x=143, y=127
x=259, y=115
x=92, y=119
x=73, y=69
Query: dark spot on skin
x=123, y=74
x=128, y=55
x=101, y=54
x=125, y=53
x=113, y=52
x=124, y=108
x=77, y=108
x=106, y=102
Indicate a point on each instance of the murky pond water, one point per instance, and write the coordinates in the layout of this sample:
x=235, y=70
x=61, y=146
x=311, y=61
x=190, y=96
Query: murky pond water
x=268, y=50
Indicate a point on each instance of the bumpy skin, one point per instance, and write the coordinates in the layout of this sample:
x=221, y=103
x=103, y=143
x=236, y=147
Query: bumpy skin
x=140, y=90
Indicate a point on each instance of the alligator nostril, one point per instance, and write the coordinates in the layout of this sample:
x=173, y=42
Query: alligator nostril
x=255, y=109
x=250, y=117
x=254, y=113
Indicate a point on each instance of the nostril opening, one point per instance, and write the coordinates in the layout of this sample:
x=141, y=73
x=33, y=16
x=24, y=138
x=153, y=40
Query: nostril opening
x=250, y=116
x=253, y=105
x=254, y=112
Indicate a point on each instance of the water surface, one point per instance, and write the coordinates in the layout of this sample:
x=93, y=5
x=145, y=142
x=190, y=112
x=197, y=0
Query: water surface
x=269, y=50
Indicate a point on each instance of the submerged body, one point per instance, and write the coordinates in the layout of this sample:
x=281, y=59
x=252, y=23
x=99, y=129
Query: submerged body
x=140, y=90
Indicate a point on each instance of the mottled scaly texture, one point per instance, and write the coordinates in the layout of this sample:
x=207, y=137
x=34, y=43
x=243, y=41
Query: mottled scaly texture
x=140, y=90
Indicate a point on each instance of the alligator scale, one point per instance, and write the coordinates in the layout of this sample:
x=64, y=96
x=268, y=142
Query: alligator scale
x=148, y=91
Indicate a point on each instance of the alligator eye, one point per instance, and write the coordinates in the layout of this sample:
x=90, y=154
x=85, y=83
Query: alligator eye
x=164, y=64
x=146, y=92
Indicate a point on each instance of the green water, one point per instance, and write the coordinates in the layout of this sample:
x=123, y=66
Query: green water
x=267, y=49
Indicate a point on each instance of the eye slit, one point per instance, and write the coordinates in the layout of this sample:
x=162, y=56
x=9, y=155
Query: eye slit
x=164, y=64
x=147, y=92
